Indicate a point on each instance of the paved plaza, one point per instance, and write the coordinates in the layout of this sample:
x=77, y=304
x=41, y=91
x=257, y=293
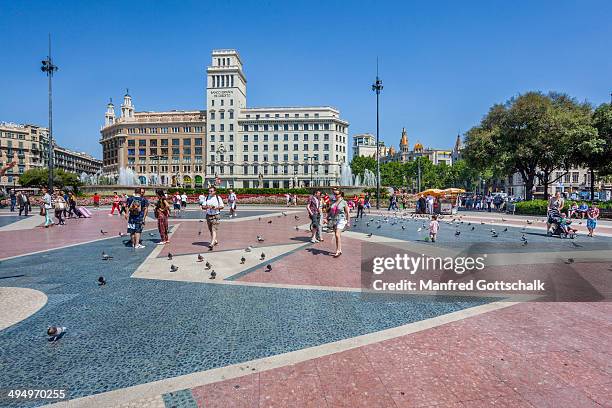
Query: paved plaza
x=295, y=329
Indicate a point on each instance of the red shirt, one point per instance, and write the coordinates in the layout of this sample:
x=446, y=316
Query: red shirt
x=96, y=198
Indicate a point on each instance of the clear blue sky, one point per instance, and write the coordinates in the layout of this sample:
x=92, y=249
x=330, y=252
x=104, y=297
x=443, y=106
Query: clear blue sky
x=443, y=63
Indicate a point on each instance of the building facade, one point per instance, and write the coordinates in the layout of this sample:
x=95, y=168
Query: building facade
x=405, y=154
x=574, y=182
x=364, y=144
x=28, y=146
x=228, y=144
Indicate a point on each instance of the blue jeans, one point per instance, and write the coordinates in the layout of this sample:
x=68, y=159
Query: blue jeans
x=48, y=220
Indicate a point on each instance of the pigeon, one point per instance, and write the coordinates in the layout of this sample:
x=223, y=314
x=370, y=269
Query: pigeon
x=503, y=219
x=284, y=213
x=262, y=256
x=482, y=223
x=259, y=218
x=248, y=249
x=457, y=233
x=494, y=235
x=379, y=226
x=103, y=232
x=55, y=333
x=270, y=222
x=524, y=242
x=469, y=223
x=101, y=281
x=169, y=256
x=260, y=238
x=208, y=265
x=506, y=229
x=200, y=258
x=242, y=260
x=569, y=261
x=173, y=268
x=529, y=222
x=297, y=228
x=106, y=257
x=268, y=268
x=213, y=274
x=122, y=234
x=419, y=229
x=200, y=220
x=369, y=235
x=296, y=217
x=473, y=228
x=523, y=238
x=403, y=227
x=200, y=232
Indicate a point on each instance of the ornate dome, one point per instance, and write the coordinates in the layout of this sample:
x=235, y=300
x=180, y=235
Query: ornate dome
x=391, y=151
x=418, y=147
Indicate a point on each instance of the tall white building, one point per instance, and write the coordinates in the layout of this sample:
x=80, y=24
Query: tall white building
x=267, y=147
x=228, y=144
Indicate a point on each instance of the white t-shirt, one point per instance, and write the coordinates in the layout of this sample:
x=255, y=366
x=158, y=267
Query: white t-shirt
x=184, y=198
x=213, y=201
x=201, y=199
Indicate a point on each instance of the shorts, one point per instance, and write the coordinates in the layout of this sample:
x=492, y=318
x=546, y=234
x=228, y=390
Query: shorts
x=177, y=206
x=591, y=224
x=134, y=227
x=340, y=225
x=315, y=220
x=213, y=221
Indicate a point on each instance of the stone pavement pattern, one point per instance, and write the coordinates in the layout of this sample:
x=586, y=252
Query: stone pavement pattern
x=529, y=354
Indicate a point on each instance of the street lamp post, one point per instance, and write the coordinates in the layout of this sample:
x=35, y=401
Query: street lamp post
x=49, y=69
x=310, y=161
x=377, y=86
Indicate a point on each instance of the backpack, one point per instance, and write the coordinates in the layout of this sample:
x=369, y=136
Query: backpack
x=135, y=207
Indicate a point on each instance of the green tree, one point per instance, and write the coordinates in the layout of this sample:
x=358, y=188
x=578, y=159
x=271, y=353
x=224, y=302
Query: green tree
x=360, y=163
x=393, y=174
x=39, y=178
x=529, y=133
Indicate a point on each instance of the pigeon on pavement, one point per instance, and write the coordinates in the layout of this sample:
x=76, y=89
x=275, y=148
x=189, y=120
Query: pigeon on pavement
x=173, y=268
x=101, y=281
x=213, y=274
x=262, y=256
x=200, y=258
x=268, y=268
x=169, y=256
x=242, y=260
x=106, y=257
x=208, y=265
x=260, y=238
x=103, y=232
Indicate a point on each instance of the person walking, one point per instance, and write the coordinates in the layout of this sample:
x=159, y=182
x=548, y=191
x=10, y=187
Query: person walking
x=46, y=206
x=116, y=201
x=231, y=202
x=366, y=201
x=314, y=212
x=360, y=206
x=430, y=204
x=137, y=210
x=213, y=206
x=393, y=201
x=72, y=206
x=340, y=219
x=23, y=203
x=59, y=203
x=184, y=200
x=13, y=198
x=592, y=216
x=489, y=201
x=96, y=200
x=176, y=204
x=162, y=212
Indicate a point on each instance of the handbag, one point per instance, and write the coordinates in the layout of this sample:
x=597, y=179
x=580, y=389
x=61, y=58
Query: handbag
x=43, y=210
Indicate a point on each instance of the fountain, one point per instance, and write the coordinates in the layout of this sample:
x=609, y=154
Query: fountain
x=346, y=175
x=127, y=177
x=369, y=179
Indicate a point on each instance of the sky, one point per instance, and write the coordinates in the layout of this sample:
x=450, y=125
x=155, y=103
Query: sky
x=443, y=63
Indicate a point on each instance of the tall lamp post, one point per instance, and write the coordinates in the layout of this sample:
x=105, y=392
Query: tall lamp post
x=310, y=161
x=377, y=86
x=49, y=69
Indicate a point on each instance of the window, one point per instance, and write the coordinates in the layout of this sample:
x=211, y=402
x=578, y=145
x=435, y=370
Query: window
x=175, y=142
x=222, y=127
x=296, y=146
x=326, y=137
x=245, y=157
x=316, y=136
x=285, y=137
x=305, y=146
x=221, y=115
x=186, y=142
x=285, y=147
x=245, y=148
x=187, y=151
x=285, y=126
x=316, y=146
x=276, y=138
x=285, y=158
x=198, y=141
x=131, y=152
x=131, y=142
x=175, y=129
x=256, y=157
x=295, y=126
x=231, y=127
x=305, y=137
x=255, y=148
x=212, y=138
x=255, y=138
x=326, y=146
x=212, y=127
x=142, y=152
x=175, y=151
x=295, y=137
x=326, y=126
x=256, y=127
x=265, y=138
x=245, y=138
x=295, y=158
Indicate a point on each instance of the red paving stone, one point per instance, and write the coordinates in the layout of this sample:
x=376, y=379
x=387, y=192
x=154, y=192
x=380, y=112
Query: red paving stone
x=481, y=361
x=75, y=231
x=315, y=265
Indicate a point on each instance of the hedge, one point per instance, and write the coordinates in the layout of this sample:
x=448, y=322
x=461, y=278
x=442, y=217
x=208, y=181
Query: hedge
x=239, y=191
x=538, y=207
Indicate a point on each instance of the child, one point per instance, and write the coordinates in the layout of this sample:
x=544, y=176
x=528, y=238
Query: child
x=592, y=215
x=564, y=224
x=434, y=225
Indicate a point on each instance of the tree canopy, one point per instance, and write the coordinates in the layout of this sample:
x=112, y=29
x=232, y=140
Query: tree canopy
x=39, y=178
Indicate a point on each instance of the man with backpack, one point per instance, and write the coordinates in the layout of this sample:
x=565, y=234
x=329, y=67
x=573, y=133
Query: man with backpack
x=213, y=204
x=137, y=210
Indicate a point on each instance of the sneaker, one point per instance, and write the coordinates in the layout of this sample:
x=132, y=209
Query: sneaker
x=139, y=246
x=314, y=241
